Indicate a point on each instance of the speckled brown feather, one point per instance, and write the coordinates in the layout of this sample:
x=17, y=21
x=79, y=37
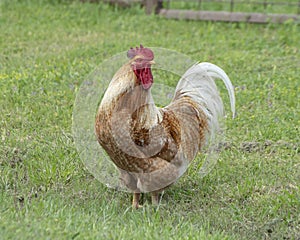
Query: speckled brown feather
x=153, y=147
x=176, y=135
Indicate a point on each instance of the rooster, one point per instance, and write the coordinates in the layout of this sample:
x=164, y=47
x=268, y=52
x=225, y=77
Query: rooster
x=151, y=146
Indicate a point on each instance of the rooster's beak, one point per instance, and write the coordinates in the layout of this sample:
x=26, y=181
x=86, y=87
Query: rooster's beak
x=152, y=62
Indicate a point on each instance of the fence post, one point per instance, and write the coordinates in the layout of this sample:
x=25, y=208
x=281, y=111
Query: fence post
x=231, y=5
x=150, y=6
x=199, y=4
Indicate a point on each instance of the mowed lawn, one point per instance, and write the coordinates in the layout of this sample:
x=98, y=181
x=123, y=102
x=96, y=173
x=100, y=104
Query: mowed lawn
x=48, y=48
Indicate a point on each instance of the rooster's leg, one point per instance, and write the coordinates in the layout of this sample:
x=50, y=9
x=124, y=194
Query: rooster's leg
x=136, y=199
x=155, y=198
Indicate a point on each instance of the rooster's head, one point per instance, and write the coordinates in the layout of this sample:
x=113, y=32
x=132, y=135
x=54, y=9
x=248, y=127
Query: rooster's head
x=142, y=59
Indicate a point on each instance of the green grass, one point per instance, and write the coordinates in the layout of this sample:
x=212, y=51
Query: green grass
x=48, y=49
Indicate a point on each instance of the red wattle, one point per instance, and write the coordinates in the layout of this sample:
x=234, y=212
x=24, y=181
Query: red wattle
x=145, y=76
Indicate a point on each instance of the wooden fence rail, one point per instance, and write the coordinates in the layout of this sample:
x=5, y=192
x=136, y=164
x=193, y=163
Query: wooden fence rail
x=156, y=6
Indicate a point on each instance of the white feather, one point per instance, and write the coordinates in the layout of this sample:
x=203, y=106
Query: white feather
x=216, y=72
x=199, y=83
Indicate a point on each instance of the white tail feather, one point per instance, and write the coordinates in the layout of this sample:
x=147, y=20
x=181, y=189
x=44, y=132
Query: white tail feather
x=216, y=72
x=199, y=83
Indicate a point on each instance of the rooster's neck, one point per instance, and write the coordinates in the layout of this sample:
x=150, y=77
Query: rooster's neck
x=125, y=94
x=145, y=112
x=122, y=82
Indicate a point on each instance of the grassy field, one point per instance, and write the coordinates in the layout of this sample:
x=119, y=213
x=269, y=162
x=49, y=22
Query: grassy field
x=47, y=49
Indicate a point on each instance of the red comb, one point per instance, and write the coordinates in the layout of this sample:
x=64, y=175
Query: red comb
x=145, y=52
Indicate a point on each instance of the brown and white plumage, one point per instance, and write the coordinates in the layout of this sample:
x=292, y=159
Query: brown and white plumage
x=153, y=146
